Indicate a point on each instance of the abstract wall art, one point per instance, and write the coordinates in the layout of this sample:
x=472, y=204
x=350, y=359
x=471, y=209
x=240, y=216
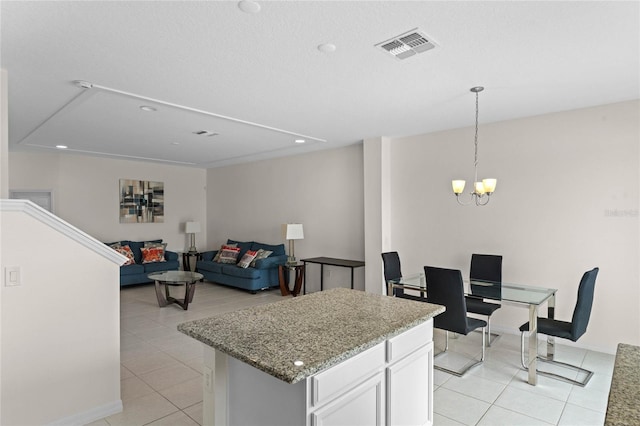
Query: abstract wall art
x=141, y=201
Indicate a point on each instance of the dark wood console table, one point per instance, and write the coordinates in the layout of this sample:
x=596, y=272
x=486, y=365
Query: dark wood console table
x=331, y=262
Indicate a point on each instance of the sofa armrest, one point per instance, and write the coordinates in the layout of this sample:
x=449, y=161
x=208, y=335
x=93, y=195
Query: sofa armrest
x=170, y=255
x=208, y=255
x=271, y=262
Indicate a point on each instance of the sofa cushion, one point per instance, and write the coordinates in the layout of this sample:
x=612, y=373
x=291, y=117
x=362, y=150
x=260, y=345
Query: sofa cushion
x=131, y=269
x=260, y=254
x=136, y=246
x=204, y=265
x=229, y=255
x=152, y=254
x=244, y=246
x=247, y=259
x=172, y=265
x=235, y=271
x=277, y=249
x=216, y=258
x=125, y=251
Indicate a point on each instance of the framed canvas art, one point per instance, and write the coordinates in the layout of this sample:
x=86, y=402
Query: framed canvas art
x=141, y=201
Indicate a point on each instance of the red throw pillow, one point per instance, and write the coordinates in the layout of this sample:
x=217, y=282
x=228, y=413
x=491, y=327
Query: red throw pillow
x=126, y=251
x=229, y=254
x=152, y=254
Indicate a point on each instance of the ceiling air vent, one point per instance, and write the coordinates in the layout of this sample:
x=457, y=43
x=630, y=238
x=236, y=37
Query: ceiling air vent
x=407, y=44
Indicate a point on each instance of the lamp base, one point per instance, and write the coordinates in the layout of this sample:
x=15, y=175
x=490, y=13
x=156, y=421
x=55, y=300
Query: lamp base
x=291, y=261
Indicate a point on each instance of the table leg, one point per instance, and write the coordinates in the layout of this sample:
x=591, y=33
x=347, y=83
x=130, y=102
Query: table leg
x=533, y=344
x=284, y=287
x=189, y=292
x=351, y=278
x=551, y=341
x=298, y=281
x=321, y=276
x=304, y=280
x=162, y=301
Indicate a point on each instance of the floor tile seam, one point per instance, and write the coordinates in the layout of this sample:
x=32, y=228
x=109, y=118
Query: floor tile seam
x=536, y=418
x=183, y=363
x=468, y=396
x=533, y=392
x=525, y=415
x=187, y=414
x=170, y=414
x=173, y=384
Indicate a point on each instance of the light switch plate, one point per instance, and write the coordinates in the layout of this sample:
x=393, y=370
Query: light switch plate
x=11, y=276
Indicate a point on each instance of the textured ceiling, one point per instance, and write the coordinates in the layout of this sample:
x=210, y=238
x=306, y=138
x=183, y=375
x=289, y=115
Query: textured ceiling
x=265, y=68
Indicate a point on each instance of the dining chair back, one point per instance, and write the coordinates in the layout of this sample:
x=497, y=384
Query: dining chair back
x=392, y=269
x=582, y=311
x=445, y=287
x=485, y=267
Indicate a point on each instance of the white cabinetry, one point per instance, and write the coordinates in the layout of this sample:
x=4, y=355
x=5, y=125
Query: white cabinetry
x=389, y=384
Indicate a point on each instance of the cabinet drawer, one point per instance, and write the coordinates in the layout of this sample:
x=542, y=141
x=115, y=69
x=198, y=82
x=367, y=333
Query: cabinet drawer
x=399, y=346
x=346, y=375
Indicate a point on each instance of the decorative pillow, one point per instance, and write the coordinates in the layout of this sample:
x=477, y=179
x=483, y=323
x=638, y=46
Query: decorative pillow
x=261, y=254
x=126, y=251
x=229, y=255
x=216, y=258
x=247, y=259
x=154, y=244
x=152, y=254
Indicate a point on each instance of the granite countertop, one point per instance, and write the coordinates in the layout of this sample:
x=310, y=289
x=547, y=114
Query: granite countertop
x=320, y=330
x=623, y=407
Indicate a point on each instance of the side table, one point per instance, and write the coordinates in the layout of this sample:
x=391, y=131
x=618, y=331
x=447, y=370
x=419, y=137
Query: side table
x=283, y=275
x=186, y=260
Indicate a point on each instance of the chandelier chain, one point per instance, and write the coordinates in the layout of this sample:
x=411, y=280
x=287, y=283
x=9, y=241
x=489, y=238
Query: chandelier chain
x=475, y=162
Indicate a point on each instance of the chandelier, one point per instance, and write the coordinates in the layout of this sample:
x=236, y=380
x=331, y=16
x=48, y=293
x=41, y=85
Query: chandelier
x=482, y=190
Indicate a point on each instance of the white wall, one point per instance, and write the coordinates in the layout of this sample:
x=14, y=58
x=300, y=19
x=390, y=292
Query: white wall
x=60, y=336
x=559, y=178
x=86, y=194
x=321, y=190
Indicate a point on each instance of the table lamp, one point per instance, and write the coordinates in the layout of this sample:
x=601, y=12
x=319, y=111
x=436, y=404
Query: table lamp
x=192, y=228
x=291, y=232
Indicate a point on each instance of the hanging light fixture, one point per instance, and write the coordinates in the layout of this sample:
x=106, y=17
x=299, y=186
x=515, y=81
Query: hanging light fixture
x=482, y=190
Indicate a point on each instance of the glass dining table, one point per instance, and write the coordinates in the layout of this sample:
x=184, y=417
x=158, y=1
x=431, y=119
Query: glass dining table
x=517, y=294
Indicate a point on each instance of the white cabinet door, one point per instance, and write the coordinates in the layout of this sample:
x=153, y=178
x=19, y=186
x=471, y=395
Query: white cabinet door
x=362, y=406
x=410, y=389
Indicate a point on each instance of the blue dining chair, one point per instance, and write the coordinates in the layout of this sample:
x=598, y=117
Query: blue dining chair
x=393, y=270
x=567, y=330
x=485, y=267
x=445, y=287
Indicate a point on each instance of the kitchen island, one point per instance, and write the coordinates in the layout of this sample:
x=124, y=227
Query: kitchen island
x=335, y=357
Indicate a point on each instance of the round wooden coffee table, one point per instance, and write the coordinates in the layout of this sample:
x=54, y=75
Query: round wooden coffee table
x=169, y=278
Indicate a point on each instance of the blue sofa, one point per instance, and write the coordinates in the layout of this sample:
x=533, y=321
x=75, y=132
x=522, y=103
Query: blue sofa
x=262, y=276
x=137, y=273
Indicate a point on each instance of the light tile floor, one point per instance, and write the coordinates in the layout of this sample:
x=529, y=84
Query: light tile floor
x=161, y=371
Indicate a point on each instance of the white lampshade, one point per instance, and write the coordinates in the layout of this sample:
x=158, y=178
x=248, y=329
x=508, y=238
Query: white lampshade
x=292, y=231
x=192, y=227
x=489, y=185
x=458, y=186
x=479, y=188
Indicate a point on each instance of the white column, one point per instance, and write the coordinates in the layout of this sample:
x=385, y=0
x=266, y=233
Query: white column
x=377, y=209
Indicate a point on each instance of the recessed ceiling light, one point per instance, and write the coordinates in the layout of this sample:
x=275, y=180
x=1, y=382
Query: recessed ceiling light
x=175, y=143
x=205, y=133
x=148, y=108
x=248, y=6
x=62, y=146
x=300, y=141
x=327, y=48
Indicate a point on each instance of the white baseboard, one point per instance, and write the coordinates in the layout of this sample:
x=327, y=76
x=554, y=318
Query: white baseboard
x=90, y=416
